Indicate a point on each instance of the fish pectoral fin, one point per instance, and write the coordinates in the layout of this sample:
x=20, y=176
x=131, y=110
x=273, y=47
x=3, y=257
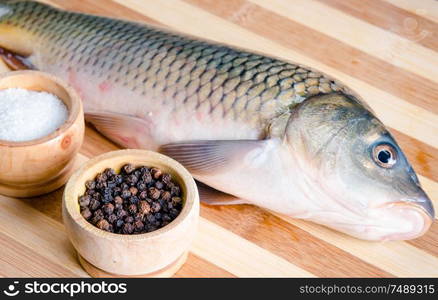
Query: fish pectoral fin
x=212, y=155
x=120, y=128
x=211, y=196
x=14, y=61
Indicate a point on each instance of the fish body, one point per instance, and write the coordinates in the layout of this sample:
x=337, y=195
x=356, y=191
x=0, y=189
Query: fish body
x=267, y=132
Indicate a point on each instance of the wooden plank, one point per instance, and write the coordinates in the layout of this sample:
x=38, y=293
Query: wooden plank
x=109, y=9
x=391, y=18
x=424, y=8
x=198, y=267
x=246, y=240
x=38, y=232
x=422, y=156
x=22, y=261
x=431, y=187
x=400, y=258
x=290, y=242
x=428, y=242
x=398, y=51
x=239, y=256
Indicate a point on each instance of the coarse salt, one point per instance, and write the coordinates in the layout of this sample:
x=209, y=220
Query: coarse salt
x=28, y=115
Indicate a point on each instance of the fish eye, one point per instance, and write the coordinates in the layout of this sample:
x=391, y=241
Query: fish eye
x=385, y=155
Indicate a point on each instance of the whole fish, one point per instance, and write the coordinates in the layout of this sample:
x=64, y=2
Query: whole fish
x=267, y=132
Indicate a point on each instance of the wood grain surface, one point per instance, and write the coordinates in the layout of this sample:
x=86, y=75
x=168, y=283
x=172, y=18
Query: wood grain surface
x=386, y=50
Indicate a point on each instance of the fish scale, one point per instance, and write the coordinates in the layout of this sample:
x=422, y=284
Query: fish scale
x=152, y=61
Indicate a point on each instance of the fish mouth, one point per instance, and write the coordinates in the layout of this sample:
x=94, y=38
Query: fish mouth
x=426, y=204
x=415, y=219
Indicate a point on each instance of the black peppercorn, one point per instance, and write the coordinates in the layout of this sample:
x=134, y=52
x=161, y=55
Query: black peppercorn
x=129, y=219
x=132, y=179
x=147, y=177
x=96, y=218
x=159, y=185
x=166, y=178
x=143, y=195
x=176, y=200
x=138, y=217
x=119, y=223
x=141, y=186
x=133, y=200
x=118, y=200
x=116, y=191
x=97, y=196
x=150, y=218
x=166, y=218
x=101, y=177
x=108, y=208
x=126, y=194
x=118, y=178
x=132, y=209
x=103, y=224
x=144, y=207
x=133, y=190
x=109, y=172
x=98, y=212
x=156, y=173
x=128, y=168
x=90, y=192
x=86, y=213
x=166, y=196
x=175, y=190
x=84, y=201
x=111, y=184
x=90, y=184
x=120, y=213
x=156, y=207
x=139, y=225
x=174, y=213
x=94, y=204
x=127, y=228
x=112, y=218
x=154, y=193
x=101, y=185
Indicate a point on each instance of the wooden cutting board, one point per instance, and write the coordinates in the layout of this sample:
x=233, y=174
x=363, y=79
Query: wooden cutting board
x=385, y=50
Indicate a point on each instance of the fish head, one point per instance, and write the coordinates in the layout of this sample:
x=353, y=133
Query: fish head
x=354, y=172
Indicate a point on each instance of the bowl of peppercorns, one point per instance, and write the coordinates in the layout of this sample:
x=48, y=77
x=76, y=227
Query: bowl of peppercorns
x=131, y=213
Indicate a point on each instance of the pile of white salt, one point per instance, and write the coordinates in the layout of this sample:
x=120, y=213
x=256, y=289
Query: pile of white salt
x=28, y=115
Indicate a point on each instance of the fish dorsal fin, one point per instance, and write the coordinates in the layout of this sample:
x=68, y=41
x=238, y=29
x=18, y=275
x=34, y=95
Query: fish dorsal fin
x=213, y=155
x=211, y=196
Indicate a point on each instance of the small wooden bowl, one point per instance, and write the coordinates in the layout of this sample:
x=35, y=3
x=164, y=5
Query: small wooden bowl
x=40, y=166
x=155, y=254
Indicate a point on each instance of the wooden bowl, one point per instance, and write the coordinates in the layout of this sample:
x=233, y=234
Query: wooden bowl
x=40, y=166
x=158, y=253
